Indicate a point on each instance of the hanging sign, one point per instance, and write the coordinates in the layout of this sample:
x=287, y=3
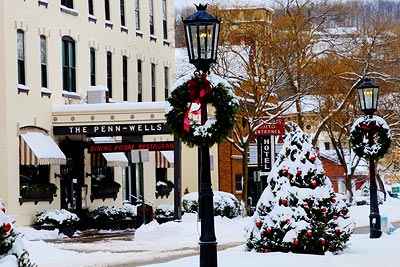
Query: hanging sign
x=265, y=153
x=271, y=127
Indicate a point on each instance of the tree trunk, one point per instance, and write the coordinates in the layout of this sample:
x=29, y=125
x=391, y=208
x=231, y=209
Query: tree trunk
x=349, y=189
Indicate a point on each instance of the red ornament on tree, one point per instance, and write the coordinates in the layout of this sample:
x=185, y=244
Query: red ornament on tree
x=305, y=205
x=295, y=242
x=3, y=210
x=266, y=250
x=309, y=233
x=312, y=157
x=7, y=227
x=284, y=202
x=344, y=212
x=337, y=231
x=299, y=171
x=323, y=209
x=287, y=220
x=314, y=183
x=335, y=217
x=268, y=230
x=333, y=200
x=285, y=170
x=258, y=224
x=323, y=241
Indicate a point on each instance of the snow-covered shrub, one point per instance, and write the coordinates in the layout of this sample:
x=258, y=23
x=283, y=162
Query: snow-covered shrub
x=56, y=217
x=108, y=213
x=164, y=211
x=225, y=204
x=12, y=251
x=130, y=209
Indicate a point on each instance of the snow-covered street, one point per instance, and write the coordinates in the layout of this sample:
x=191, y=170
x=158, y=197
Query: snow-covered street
x=175, y=244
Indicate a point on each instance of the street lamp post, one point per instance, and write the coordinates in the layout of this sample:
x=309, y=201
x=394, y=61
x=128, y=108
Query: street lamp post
x=368, y=96
x=202, y=32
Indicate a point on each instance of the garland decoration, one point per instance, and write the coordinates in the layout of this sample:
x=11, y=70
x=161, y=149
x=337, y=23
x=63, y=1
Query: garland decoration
x=186, y=105
x=380, y=134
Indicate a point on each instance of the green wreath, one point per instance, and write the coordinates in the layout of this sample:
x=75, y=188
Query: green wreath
x=192, y=133
x=380, y=134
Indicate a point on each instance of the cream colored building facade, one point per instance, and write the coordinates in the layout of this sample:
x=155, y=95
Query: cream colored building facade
x=73, y=73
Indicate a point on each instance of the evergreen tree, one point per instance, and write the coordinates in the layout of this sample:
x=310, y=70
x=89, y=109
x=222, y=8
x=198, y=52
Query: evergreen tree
x=11, y=242
x=298, y=210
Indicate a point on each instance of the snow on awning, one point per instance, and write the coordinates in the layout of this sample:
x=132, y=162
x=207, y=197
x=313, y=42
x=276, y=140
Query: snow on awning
x=38, y=148
x=116, y=159
x=164, y=159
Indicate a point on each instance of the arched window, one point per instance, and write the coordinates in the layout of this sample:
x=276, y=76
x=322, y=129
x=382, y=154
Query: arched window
x=68, y=64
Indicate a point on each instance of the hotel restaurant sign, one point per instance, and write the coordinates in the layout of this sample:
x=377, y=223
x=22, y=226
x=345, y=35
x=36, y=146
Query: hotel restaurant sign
x=113, y=130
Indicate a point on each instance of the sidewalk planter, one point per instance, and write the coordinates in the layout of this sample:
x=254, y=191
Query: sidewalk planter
x=66, y=222
x=37, y=192
x=105, y=190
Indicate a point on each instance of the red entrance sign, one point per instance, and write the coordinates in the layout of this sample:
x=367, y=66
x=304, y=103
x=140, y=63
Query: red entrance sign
x=272, y=127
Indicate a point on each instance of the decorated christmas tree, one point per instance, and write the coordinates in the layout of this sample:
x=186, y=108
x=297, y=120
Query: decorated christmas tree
x=12, y=252
x=298, y=210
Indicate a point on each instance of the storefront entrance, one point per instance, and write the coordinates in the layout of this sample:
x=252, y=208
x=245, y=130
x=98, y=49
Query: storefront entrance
x=72, y=176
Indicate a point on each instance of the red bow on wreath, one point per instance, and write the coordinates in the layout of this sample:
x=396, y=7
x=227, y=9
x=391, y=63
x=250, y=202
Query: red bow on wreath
x=198, y=88
x=371, y=127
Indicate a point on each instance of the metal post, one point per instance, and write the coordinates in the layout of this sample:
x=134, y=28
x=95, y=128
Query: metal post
x=374, y=217
x=208, y=241
x=142, y=186
x=177, y=180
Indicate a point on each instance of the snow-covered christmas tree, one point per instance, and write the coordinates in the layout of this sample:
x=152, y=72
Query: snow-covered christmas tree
x=12, y=252
x=298, y=210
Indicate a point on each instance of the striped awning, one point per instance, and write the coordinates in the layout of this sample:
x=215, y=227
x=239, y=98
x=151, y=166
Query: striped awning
x=115, y=159
x=164, y=159
x=36, y=147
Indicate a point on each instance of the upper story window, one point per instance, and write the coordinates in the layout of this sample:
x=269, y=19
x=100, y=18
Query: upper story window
x=68, y=64
x=151, y=17
x=153, y=82
x=166, y=82
x=68, y=3
x=43, y=60
x=90, y=7
x=164, y=17
x=125, y=78
x=109, y=73
x=92, y=67
x=139, y=79
x=21, y=56
x=122, y=7
x=137, y=15
x=107, y=9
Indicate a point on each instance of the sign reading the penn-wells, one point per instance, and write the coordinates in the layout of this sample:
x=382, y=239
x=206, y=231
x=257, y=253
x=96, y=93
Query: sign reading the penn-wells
x=126, y=147
x=112, y=130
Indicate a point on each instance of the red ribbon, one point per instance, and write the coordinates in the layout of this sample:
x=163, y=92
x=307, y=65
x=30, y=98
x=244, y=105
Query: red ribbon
x=198, y=88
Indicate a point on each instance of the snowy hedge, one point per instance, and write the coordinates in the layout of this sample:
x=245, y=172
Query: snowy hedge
x=225, y=204
x=56, y=217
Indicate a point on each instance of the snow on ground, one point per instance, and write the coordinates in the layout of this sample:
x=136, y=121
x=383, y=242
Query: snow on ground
x=159, y=242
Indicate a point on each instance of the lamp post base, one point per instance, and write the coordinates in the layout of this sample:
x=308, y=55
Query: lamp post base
x=208, y=254
x=375, y=225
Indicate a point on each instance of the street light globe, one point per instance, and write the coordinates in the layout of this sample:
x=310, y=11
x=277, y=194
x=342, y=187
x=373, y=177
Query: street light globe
x=202, y=33
x=368, y=93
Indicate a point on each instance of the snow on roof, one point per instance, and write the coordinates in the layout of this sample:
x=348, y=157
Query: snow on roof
x=110, y=106
x=361, y=169
x=309, y=103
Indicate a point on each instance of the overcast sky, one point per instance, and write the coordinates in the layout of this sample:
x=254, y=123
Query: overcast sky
x=184, y=3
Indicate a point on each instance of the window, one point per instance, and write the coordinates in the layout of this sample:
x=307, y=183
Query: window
x=164, y=17
x=151, y=18
x=238, y=179
x=107, y=9
x=139, y=79
x=92, y=67
x=125, y=78
x=43, y=61
x=68, y=64
x=137, y=15
x=153, y=82
x=109, y=74
x=21, y=56
x=90, y=6
x=166, y=82
x=122, y=5
x=67, y=3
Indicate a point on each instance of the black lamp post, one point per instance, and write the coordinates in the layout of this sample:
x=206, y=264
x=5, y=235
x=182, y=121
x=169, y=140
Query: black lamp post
x=202, y=31
x=368, y=96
